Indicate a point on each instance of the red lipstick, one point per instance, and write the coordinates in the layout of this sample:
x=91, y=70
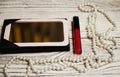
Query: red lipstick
x=76, y=36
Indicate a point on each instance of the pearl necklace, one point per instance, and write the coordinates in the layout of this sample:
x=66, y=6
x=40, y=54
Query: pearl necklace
x=98, y=38
x=72, y=61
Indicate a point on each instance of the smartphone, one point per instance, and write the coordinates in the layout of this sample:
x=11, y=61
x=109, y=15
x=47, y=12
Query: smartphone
x=36, y=33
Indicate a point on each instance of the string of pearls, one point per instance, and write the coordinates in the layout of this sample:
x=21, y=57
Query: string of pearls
x=87, y=62
x=74, y=61
x=98, y=38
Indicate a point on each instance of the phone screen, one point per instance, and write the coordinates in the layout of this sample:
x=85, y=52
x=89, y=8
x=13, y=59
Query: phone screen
x=23, y=32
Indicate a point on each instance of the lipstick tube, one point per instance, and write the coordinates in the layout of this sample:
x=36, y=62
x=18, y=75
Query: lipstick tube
x=76, y=36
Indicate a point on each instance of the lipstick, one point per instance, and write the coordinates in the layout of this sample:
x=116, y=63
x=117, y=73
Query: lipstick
x=76, y=36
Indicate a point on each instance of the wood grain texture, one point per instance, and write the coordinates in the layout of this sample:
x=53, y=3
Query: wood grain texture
x=63, y=9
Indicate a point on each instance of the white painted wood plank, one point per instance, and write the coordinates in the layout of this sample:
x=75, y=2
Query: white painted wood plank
x=67, y=9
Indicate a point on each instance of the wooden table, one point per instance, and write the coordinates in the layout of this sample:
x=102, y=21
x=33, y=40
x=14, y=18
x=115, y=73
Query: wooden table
x=63, y=9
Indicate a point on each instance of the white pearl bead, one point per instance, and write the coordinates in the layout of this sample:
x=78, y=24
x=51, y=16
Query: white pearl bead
x=50, y=68
x=70, y=59
x=37, y=72
x=26, y=76
x=110, y=60
x=74, y=60
x=13, y=57
x=77, y=60
x=58, y=69
x=51, y=61
x=48, y=61
x=9, y=62
x=56, y=60
x=80, y=71
x=41, y=61
x=42, y=71
x=24, y=59
x=31, y=61
x=83, y=70
x=44, y=61
x=114, y=28
x=46, y=69
x=96, y=66
x=54, y=68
